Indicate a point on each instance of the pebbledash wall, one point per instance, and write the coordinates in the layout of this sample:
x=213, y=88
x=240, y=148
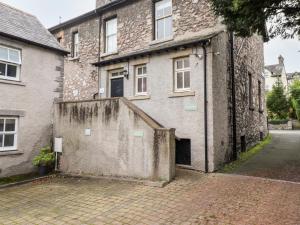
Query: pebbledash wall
x=112, y=137
x=31, y=101
x=185, y=112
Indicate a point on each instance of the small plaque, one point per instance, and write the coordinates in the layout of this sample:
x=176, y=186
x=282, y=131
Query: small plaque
x=87, y=132
x=139, y=134
x=102, y=90
x=190, y=107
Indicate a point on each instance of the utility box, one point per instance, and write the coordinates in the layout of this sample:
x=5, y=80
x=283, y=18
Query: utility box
x=58, y=145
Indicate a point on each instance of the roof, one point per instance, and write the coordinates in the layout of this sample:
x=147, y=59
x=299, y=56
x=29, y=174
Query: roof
x=25, y=27
x=89, y=14
x=276, y=70
x=160, y=48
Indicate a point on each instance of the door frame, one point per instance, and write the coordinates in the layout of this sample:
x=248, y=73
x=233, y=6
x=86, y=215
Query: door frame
x=111, y=77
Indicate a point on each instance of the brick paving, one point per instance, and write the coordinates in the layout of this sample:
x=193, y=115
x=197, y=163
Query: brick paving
x=193, y=198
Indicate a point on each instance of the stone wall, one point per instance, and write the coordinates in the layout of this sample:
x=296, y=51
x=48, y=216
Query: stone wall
x=123, y=141
x=249, y=58
x=136, y=30
x=80, y=77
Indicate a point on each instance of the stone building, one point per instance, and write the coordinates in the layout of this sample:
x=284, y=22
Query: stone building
x=31, y=72
x=173, y=60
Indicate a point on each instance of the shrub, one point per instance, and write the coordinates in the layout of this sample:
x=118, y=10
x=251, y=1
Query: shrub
x=277, y=103
x=45, y=158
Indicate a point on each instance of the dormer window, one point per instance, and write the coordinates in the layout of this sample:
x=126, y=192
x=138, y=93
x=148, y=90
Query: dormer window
x=10, y=63
x=163, y=20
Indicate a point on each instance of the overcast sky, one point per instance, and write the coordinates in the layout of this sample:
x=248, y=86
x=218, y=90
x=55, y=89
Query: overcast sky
x=49, y=12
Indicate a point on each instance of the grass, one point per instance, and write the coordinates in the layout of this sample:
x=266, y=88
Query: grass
x=18, y=178
x=245, y=156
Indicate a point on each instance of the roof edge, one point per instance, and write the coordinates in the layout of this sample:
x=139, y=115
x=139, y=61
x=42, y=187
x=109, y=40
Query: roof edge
x=199, y=40
x=64, y=52
x=88, y=15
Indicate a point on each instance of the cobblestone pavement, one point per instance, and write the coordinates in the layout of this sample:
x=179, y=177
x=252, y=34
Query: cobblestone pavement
x=279, y=160
x=193, y=198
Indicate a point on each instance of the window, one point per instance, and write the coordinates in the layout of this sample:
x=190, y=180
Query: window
x=8, y=134
x=182, y=74
x=141, y=80
x=259, y=97
x=111, y=36
x=163, y=20
x=10, y=62
x=250, y=91
x=75, y=47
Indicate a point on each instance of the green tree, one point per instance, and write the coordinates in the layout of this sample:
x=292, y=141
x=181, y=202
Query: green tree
x=295, y=97
x=246, y=17
x=277, y=103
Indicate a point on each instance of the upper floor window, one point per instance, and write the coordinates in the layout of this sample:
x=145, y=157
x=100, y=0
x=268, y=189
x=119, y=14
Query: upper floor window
x=8, y=134
x=182, y=74
x=10, y=62
x=163, y=20
x=75, y=45
x=111, y=36
x=141, y=80
x=260, y=102
x=250, y=91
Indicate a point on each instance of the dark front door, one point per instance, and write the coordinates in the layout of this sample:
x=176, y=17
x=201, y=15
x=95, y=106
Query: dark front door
x=183, y=152
x=117, y=87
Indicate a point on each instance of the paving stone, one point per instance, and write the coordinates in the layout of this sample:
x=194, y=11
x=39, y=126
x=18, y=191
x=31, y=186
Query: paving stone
x=193, y=198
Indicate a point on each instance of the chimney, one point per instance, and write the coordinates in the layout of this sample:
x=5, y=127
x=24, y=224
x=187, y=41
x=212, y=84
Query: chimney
x=281, y=60
x=100, y=3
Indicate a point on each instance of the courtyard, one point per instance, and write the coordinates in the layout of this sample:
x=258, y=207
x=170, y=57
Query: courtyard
x=193, y=198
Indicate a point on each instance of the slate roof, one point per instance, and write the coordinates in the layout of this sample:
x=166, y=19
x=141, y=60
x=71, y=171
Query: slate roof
x=276, y=70
x=25, y=27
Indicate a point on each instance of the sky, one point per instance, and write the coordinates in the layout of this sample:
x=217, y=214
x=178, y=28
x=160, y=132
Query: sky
x=50, y=11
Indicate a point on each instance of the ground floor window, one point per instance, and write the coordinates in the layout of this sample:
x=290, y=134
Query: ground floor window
x=141, y=80
x=8, y=133
x=182, y=74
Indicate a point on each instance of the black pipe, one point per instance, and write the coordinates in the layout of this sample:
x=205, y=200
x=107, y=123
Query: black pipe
x=205, y=109
x=233, y=95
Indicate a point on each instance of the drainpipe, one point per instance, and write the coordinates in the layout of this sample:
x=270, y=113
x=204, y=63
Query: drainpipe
x=99, y=52
x=205, y=109
x=233, y=95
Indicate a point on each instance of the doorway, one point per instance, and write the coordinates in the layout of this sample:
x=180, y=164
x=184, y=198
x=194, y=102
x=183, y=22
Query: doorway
x=183, y=152
x=116, y=84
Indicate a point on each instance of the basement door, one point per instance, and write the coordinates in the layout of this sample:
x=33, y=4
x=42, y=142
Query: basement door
x=183, y=152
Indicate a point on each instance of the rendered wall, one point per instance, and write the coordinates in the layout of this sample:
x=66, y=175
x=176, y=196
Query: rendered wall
x=30, y=99
x=123, y=141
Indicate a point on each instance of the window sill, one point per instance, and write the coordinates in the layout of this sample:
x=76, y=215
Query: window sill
x=74, y=59
x=12, y=82
x=140, y=97
x=109, y=54
x=156, y=42
x=11, y=153
x=182, y=94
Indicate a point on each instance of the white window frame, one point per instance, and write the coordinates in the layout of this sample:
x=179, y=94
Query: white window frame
x=12, y=148
x=164, y=17
x=141, y=76
x=108, y=36
x=182, y=70
x=76, y=40
x=9, y=61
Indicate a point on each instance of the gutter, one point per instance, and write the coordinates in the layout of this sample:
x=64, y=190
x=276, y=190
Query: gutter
x=205, y=110
x=61, y=51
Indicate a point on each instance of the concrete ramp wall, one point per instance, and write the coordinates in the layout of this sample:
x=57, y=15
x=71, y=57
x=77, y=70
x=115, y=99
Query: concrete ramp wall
x=112, y=137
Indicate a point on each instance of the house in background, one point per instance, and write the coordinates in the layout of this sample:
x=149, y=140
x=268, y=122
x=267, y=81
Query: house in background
x=275, y=73
x=31, y=72
x=291, y=77
x=172, y=59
